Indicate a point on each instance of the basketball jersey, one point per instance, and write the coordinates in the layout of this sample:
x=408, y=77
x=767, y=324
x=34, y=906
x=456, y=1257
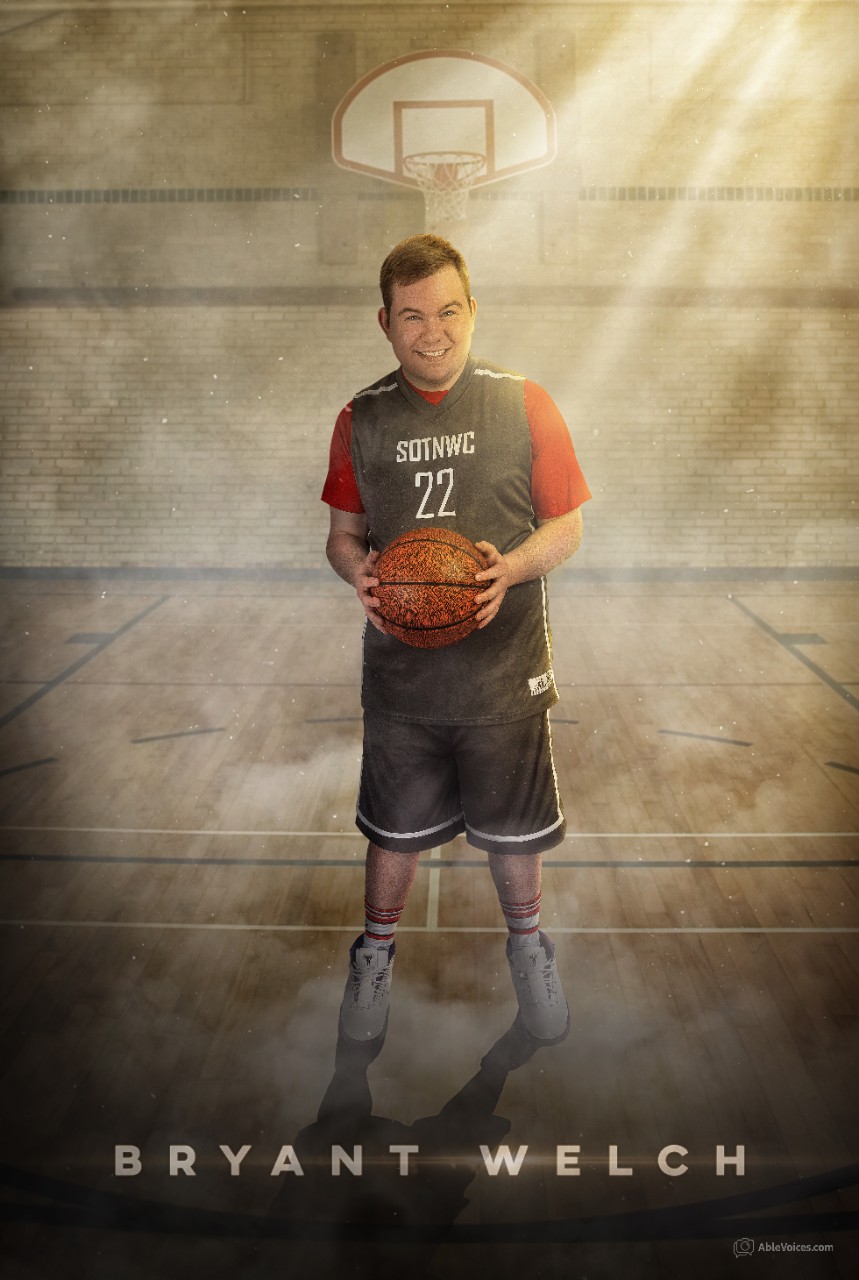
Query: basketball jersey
x=464, y=464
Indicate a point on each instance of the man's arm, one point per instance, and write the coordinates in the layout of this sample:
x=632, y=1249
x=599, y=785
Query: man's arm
x=547, y=547
x=348, y=552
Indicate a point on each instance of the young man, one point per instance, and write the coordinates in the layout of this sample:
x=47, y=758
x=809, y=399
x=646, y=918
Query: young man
x=455, y=739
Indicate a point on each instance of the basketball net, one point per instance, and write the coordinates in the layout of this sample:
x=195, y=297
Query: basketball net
x=445, y=177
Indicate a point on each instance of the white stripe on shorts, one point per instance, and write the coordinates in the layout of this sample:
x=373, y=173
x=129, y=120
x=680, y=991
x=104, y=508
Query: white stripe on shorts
x=535, y=835
x=412, y=835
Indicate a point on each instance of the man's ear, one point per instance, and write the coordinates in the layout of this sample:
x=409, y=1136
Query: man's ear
x=382, y=316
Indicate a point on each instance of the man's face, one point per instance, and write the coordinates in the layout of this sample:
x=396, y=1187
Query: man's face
x=430, y=326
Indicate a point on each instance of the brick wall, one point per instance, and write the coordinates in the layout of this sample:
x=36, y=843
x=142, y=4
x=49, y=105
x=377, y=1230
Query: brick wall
x=199, y=436
x=683, y=278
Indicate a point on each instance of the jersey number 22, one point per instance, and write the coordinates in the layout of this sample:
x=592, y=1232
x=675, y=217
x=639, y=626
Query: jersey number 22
x=426, y=477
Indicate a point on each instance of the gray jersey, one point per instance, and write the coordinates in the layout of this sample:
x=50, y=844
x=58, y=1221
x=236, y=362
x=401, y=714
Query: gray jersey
x=464, y=464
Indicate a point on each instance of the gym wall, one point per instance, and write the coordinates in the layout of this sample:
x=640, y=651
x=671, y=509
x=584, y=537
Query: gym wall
x=189, y=282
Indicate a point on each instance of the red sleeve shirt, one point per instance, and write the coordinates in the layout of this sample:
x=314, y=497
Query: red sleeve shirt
x=341, y=490
x=557, y=483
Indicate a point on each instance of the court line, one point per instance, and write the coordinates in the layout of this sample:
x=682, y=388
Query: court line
x=706, y=737
x=847, y=768
x=578, y=685
x=434, y=867
x=90, y=637
x=784, y=639
x=31, y=764
x=588, y=584
x=181, y=733
x=69, y=671
x=356, y=835
x=433, y=888
x=330, y=719
x=247, y=684
x=413, y=928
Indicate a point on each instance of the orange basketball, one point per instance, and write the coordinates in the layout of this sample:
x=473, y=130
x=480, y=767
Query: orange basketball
x=426, y=587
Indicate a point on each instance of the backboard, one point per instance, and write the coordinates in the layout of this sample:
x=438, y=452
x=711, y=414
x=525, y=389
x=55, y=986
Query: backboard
x=442, y=101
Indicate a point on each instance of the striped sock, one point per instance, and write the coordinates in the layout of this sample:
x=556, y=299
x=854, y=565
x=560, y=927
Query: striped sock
x=523, y=921
x=380, y=924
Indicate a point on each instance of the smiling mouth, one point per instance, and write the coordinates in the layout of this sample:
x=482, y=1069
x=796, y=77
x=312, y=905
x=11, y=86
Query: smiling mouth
x=434, y=355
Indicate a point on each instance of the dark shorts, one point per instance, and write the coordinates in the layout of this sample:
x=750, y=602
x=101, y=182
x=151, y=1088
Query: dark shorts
x=423, y=784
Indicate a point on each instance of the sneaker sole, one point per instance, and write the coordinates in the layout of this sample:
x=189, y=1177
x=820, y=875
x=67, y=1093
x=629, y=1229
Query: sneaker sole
x=365, y=1040
x=544, y=1040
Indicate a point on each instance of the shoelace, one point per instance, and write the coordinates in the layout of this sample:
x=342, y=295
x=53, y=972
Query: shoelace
x=375, y=982
x=540, y=980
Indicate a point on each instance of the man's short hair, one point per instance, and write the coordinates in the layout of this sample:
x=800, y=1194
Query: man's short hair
x=415, y=259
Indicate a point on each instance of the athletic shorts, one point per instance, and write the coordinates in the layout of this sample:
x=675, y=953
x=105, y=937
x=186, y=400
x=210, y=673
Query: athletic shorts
x=423, y=784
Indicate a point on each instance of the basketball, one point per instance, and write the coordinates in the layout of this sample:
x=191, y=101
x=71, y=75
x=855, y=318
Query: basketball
x=426, y=588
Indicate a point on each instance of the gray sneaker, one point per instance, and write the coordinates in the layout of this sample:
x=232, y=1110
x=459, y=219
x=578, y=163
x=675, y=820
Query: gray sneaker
x=364, y=1011
x=542, y=1005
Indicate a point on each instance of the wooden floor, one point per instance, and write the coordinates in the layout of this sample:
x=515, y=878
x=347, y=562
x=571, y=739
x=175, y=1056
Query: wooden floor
x=181, y=880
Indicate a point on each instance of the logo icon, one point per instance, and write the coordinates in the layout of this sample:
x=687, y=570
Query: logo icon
x=539, y=684
x=744, y=1248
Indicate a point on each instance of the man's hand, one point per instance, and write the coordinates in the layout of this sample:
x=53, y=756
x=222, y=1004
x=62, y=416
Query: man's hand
x=499, y=576
x=349, y=554
x=549, y=545
x=362, y=583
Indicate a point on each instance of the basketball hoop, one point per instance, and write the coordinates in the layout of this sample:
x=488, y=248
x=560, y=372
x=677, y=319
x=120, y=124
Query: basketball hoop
x=443, y=120
x=445, y=177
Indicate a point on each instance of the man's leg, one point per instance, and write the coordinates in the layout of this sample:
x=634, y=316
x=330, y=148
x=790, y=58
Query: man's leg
x=512, y=810
x=408, y=797
x=530, y=953
x=388, y=877
x=518, y=879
